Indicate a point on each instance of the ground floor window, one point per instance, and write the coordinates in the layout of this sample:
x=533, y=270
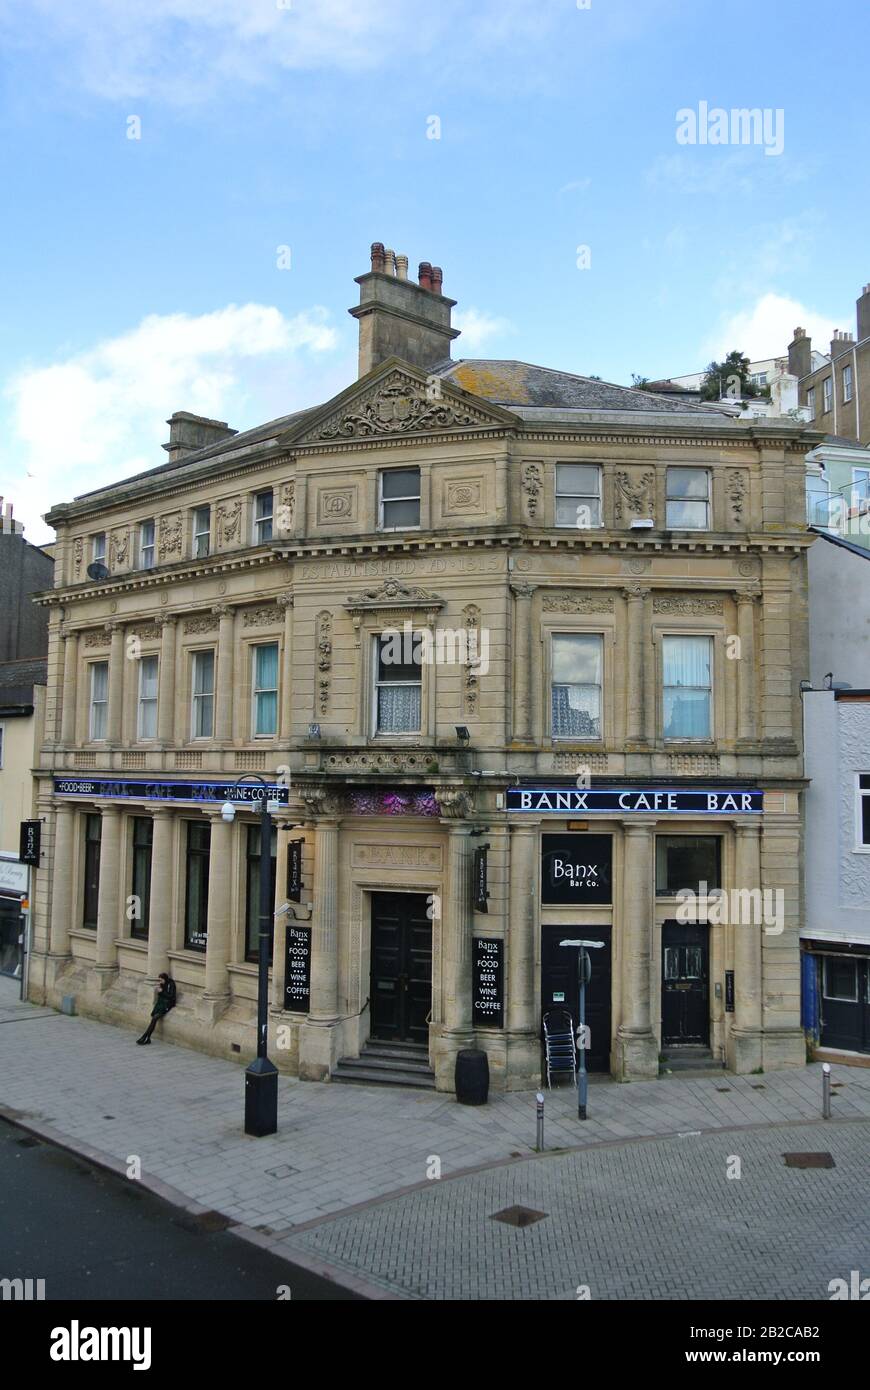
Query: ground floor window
x=252, y=893
x=143, y=834
x=91, y=893
x=196, y=885
x=687, y=862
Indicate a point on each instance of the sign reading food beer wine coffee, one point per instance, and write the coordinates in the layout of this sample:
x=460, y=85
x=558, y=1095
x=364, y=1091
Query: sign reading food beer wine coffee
x=576, y=869
x=621, y=801
x=487, y=982
x=294, y=870
x=297, y=969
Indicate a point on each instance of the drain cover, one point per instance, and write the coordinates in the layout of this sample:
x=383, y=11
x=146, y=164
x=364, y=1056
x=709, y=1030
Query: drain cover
x=809, y=1160
x=283, y=1172
x=519, y=1216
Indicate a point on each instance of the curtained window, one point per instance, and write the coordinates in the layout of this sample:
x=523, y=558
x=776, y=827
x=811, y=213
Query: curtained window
x=266, y=690
x=99, y=698
x=398, y=682
x=203, y=694
x=688, y=687
x=147, y=724
x=576, y=685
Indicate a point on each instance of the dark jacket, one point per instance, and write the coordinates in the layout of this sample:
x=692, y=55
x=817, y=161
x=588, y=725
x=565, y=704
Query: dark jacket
x=167, y=997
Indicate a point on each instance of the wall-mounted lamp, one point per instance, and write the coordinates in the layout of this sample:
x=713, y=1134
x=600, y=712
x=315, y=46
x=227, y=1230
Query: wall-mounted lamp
x=462, y=733
x=314, y=731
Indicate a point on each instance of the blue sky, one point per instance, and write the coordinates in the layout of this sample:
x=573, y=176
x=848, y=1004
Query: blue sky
x=141, y=276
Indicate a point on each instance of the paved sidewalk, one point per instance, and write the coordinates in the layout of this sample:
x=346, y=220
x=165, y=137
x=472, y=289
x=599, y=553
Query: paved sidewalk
x=181, y=1114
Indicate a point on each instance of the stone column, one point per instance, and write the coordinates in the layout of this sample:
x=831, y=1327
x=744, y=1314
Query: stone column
x=162, y=892
x=522, y=1041
x=319, y=1035
x=219, y=919
x=522, y=661
x=116, y=685
x=62, y=878
x=70, y=682
x=649, y=658
x=637, y=1049
x=635, y=595
x=166, y=683
x=226, y=675
x=456, y=926
x=744, y=1045
x=109, y=895
x=285, y=721
x=746, y=599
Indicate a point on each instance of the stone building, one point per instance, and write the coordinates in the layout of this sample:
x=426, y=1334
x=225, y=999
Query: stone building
x=837, y=388
x=514, y=648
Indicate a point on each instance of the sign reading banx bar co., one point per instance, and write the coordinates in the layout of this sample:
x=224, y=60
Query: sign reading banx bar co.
x=124, y=788
x=576, y=869
x=622, y=801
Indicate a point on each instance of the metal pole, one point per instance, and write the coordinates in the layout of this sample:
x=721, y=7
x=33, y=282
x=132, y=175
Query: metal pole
x=826, y=1090
x=539, y=1146
x=266, y=911
x=582, y=1078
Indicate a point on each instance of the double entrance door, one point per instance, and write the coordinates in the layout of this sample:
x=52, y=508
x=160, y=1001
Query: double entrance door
x=685, y=984
x=401, y=982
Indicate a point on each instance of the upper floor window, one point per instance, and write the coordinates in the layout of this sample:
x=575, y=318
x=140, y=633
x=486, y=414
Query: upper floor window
x=758, y=378
x=263, y=508
x=863, y=811
x=688, y=687
x=98, y=548
x=811, y=402
x=99, y=698
x=201, y=532
x=146, y=545
x=398, y=683
x=265, y=711
x=147, y=722
x=578, y=495
x=818, y=499
x=576, y=686
x=202, y=714
x=688, y=499
x=399, y=499
x=827, y=394
x=847, y=384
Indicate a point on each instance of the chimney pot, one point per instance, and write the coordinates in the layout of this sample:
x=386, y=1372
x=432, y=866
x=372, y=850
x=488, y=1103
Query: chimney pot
x=390, y=259
x=424, y=276
x=402, y=267
x=437, y=279
x=378, y=256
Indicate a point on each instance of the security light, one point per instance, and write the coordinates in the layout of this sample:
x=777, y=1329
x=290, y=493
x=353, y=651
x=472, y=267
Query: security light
x=228, y=812
x=462, y=733
x=314, y=731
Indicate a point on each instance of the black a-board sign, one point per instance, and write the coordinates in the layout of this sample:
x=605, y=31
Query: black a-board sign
x=294, y=870
x=29, y=843
x=487, y=982
x=576, y=869
x=297, y=969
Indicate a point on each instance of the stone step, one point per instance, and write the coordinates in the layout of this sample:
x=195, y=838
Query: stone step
x=417, y=1065
x=397, y=1052
x=359, y=1073
x=684, y=1059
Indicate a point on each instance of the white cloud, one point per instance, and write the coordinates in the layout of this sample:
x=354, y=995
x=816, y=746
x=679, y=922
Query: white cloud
x=716, y=173
x=478, y=327
x=99, y=416
x=766, y=327
x=576, y=186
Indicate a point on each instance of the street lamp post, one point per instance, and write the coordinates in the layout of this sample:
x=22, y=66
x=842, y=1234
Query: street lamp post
x=261, y=1076
x=584, y=973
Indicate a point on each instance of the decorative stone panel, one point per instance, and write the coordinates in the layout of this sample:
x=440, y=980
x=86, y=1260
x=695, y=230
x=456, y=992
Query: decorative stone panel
x=228, y=526
x=633, y=494
x=266, y=616
x=464, y=497
x=400, y=405
x=208, y=622
x=169, y=538
x=336, y=506
x=569, y=602
x=677, y=604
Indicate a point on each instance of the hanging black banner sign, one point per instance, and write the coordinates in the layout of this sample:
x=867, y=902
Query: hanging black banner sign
x=480, y=874
x=729, y=991
x=30, y=842
x=294, y=870
x=576, y=869
x=487, y=966
x=297, y=969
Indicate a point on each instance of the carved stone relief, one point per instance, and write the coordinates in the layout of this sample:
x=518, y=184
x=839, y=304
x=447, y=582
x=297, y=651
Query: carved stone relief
x=323, y=633
x=678, y=604
x=400, y=405
x=169, y=537
x=229, y=522
x=578, y=603
x=532, y=488
x=336, y=505
x=266, y=616
x=634, y=494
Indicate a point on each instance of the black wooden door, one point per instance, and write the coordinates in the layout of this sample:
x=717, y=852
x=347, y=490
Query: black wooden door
x=401, y=989
x=685, y=984
x=560, y=988
x=11, y=925
x=845, y=1021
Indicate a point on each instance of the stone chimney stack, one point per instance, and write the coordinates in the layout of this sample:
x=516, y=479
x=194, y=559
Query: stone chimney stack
x=398, y=318
x=189, y=433
x=864, y=314
x=800, y=354
x=841, y=342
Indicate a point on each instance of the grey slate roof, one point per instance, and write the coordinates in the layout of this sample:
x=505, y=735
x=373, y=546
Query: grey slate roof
x=511, y=383
x=17, y=679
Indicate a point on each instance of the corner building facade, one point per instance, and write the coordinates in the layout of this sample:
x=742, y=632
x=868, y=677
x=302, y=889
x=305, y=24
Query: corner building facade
x=595, y=599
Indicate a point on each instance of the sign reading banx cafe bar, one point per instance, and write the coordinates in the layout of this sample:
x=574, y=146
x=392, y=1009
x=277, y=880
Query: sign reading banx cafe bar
x=124, y=788
x=622, y=801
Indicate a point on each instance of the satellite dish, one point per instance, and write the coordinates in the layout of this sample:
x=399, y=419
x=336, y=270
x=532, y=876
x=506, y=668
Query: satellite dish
x=98, y=570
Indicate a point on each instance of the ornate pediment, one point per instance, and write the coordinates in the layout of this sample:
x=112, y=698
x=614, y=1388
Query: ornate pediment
x=392, y=594
x=399, y=403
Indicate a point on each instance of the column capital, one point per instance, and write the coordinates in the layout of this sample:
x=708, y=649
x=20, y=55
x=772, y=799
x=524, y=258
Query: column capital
x=322, y=803
x=108, y=808
x=167, y=619
x=113, y=626
x=639, y=827
x=162, y=813
x=284, y=600
x=66, y=632
x=223, y=610
x=747, y=594
x=455, y=803
x=522, y=588
x=635, y=593
x=529, y=824
x=748, y=827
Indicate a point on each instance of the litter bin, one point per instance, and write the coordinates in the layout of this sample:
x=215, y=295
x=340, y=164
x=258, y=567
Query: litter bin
x=472, y=1077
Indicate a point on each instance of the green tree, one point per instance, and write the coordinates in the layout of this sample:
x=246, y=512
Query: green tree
x=728, y=379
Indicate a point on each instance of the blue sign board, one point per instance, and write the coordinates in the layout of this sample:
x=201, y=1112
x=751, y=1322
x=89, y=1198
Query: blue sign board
x=126, y=788
x=621, y=801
